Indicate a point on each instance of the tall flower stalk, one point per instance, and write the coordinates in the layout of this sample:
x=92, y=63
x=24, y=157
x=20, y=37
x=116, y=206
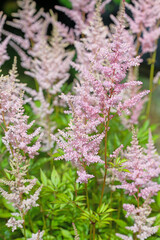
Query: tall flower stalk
x=98, y=97
x=18, y=142
x=143, y=166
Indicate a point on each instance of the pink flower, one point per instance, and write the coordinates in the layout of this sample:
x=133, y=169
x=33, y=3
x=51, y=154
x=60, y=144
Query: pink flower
x=3, y=44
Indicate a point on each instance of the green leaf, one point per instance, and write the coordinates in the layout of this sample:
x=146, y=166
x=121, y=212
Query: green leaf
x=8, y=205
x=66, y=234
x=5, y=214
x=55, y=178
x=120, y=223
x=43, y=177
x=66, y=3
x=59, y=153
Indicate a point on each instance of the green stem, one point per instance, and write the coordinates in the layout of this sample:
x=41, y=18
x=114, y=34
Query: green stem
x=91, y=232
x=87, y=198
x=94, y=231
x=43, y=216
x=151, y=83
x=105, y=156
x=24, y=227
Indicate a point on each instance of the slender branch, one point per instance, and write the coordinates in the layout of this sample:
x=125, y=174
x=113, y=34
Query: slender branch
x=87, y=198
x=91, y=228
x=24, y=227
x=105, y=156
x=94, y=231
x=151, y=82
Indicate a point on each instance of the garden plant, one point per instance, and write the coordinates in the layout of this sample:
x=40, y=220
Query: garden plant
x=77, y=145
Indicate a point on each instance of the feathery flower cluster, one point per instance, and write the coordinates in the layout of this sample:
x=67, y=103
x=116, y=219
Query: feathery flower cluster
x=31, y=23
x=17, y=140
x=37, y=236
x=108, y=68
x=50, y=65
x=80, y=148
x=145, y=22
x=134, y=113
x=27, y=19
x=81, y=13
x=19, y=188
x=51, y=61
x=143, y=165
x=3, y=44
x=98, y=95
x=43, y=113
x=13, y=118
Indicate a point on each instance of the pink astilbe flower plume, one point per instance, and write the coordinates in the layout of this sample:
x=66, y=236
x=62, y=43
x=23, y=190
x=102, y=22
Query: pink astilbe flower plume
x=145, y=22
x=98, y=96
x=49, y=66
x=30, y=23
x=43, y=113
x=19, y=189
x=81, y=13
x=18, y=142
x=28, y=20
x=37, y=236
x=51, y=61
x=143, y=165
x=107, y=69
x=80, y=148
x=3, y=44
x=134, y=113
x=13, y=118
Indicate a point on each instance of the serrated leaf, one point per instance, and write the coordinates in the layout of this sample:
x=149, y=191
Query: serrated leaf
x=55, y=178
x=66, y=234
x=43, y=177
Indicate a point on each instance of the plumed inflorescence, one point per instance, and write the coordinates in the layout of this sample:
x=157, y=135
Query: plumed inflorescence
x=81, y=13
x=51, y=61
x=106, y=65
x=13, y=118
x=143, y=166
x=134, y=113
x=37, y=236
x=145, y=22
x=3, y=44
x=18, y=143
x=30, y=24
x=98, y=97
x=47, y=61
x=49, y=66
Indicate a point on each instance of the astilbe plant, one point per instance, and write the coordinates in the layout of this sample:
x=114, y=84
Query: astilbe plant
x=106, y=91
x=3, y=44
x=47, y=61
x=50, y=65
x=133, y=114
x=13, y=118
x=145, y=23
x=18, y=142
x=98, y=98
x=30, y=22
x=143, y=166
x=81, y=13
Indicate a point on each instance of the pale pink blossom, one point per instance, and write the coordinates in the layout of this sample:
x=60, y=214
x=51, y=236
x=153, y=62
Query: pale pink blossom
x=37, y=236
x=145, y=22
x=3, y=44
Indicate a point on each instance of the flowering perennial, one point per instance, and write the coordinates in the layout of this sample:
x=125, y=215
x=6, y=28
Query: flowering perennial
x=145, y=22
x=3, y=44
x=17, y=140
x=143, y=165
x=99, y=96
